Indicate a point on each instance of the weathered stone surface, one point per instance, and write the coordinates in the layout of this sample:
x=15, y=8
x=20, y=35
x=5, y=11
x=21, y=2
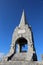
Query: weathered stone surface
x=21, y=63
x=22, y=35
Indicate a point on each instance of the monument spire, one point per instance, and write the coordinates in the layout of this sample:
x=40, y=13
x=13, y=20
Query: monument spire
x=23, y=20
x=22, y=39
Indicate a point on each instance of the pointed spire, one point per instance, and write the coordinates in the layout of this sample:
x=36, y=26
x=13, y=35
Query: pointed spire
x=23, y=20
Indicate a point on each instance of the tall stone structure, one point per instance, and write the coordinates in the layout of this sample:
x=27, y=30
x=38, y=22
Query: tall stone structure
x=22, y=50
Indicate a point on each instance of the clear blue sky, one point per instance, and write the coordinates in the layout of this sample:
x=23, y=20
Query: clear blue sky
x=10, y=14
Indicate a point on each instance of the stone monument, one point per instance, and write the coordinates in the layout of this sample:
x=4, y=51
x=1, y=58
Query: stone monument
x=22, y=49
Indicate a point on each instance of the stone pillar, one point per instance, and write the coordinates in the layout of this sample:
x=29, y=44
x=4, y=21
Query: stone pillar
x=18, y=48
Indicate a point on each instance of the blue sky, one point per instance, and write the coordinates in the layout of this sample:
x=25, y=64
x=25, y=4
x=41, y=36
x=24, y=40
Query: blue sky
x=10, y=15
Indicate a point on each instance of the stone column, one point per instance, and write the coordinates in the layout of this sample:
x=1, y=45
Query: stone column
x=18, y=48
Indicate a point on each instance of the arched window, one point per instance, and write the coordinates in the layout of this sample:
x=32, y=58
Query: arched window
x=21, y=45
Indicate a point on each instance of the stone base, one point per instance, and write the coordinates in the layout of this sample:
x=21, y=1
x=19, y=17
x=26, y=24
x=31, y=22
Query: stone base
x=21, y=63
x=20, y=57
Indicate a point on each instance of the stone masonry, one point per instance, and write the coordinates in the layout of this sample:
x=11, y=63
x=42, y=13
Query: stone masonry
x=22, y=38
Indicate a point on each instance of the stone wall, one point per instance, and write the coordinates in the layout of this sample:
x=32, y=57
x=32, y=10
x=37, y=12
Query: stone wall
x=21, y=63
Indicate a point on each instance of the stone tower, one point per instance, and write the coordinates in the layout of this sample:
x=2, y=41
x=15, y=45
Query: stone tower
x=22, y=47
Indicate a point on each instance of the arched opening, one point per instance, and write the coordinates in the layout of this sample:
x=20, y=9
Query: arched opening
x=21, y=45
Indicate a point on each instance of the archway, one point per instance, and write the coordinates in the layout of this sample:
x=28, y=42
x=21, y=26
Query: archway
x=21, y=45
